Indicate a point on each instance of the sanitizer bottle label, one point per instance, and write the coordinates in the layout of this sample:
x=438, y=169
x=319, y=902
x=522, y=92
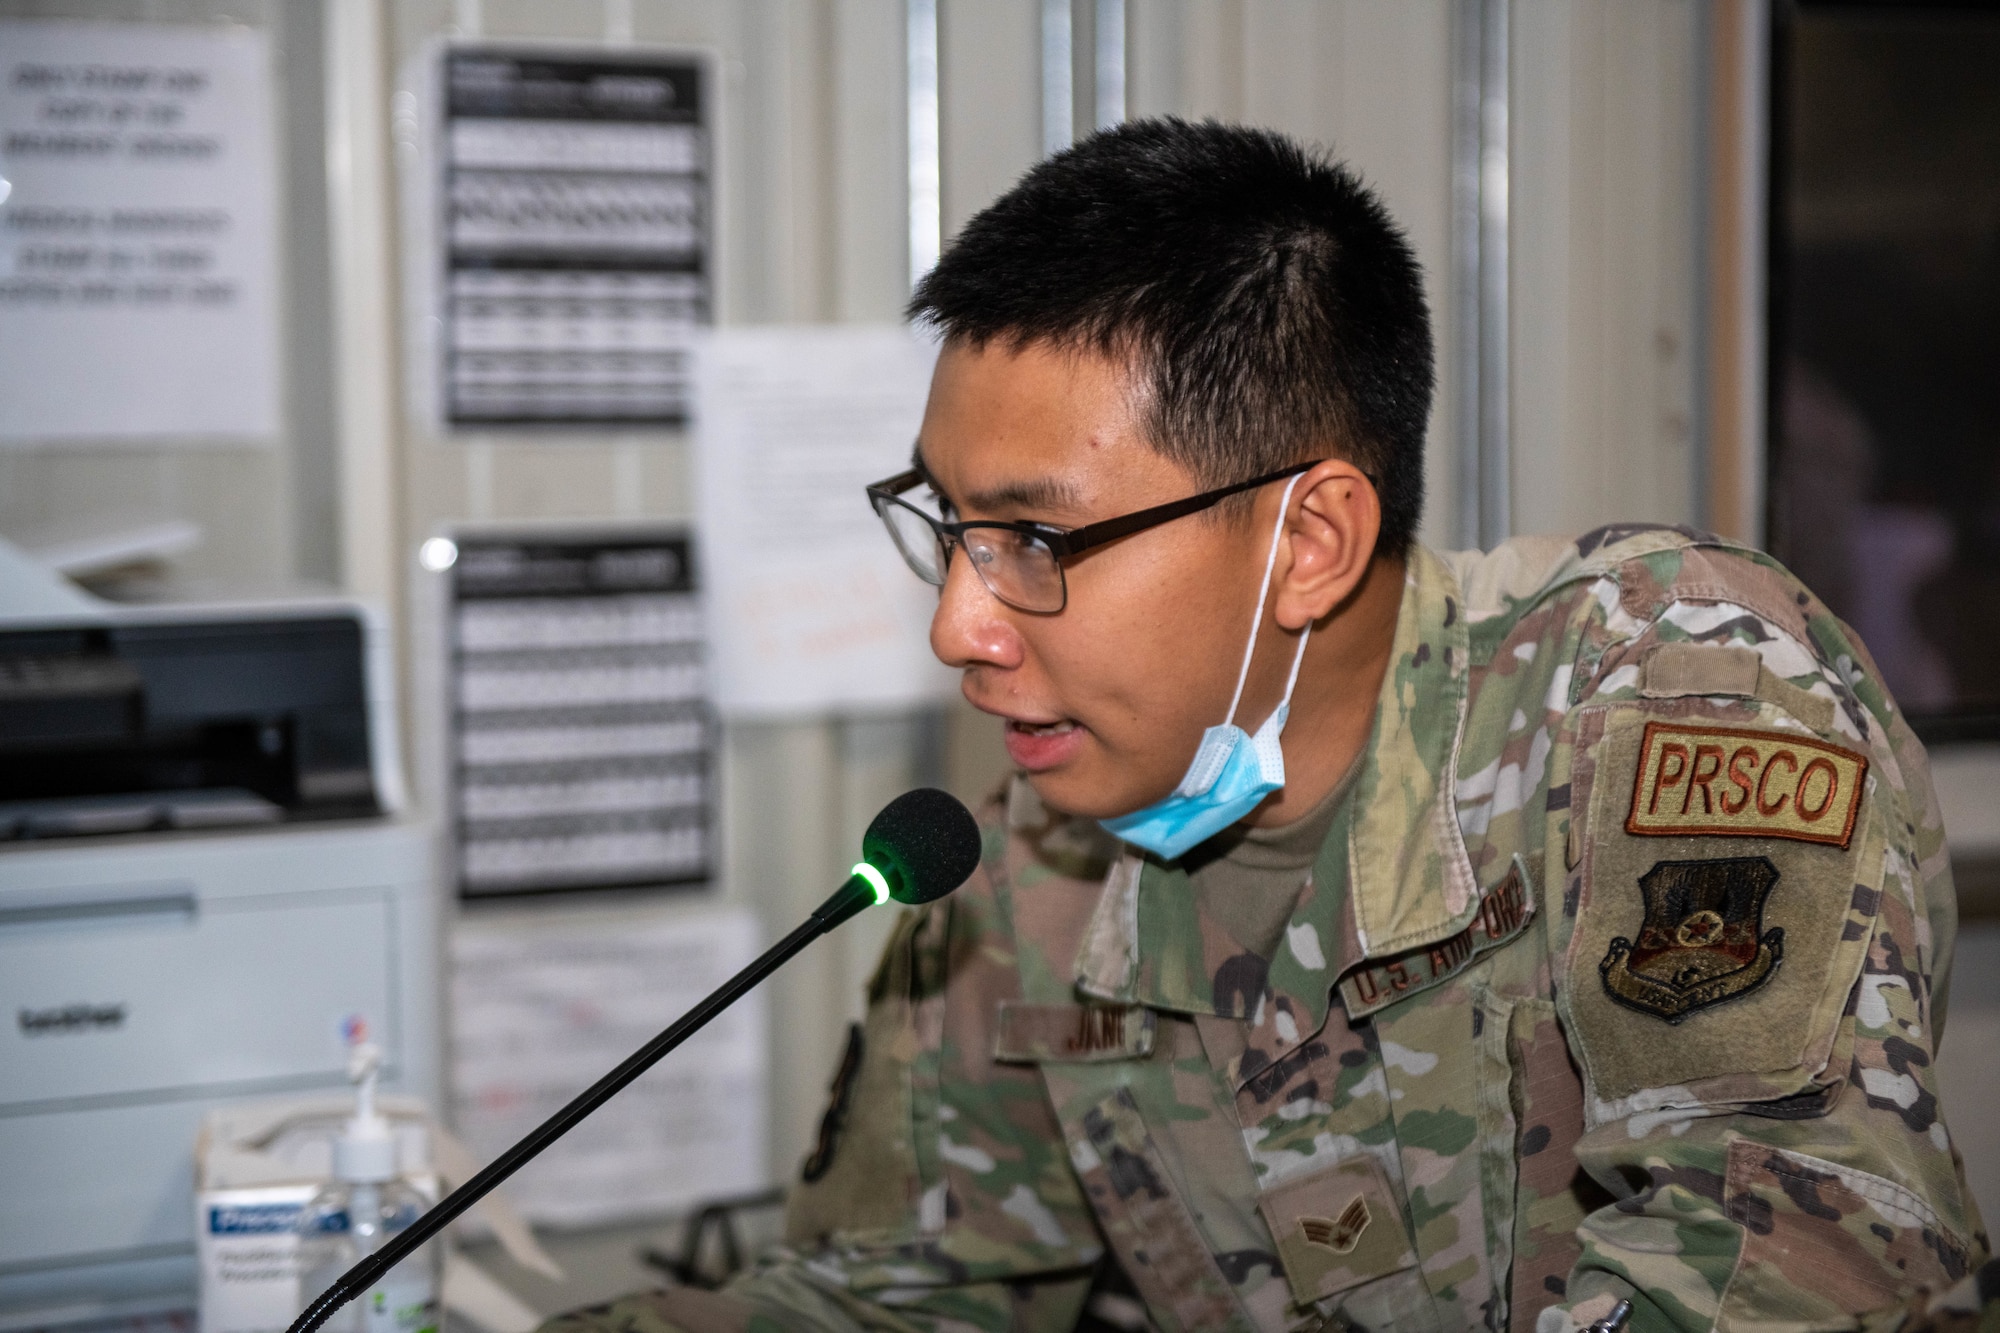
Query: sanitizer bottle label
x=401, y=1305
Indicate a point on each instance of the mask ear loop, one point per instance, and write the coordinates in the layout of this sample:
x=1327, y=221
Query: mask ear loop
x=1257, y=612
x=1298, y=660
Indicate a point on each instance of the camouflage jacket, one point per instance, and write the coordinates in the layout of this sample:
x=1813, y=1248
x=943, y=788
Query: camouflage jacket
x=1618, y=976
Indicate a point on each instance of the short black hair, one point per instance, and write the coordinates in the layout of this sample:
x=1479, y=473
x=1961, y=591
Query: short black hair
x=1274, y=309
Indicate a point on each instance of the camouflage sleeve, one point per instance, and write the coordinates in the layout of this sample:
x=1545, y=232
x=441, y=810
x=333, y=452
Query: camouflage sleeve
x=1817, y=1188
x=1822, y=1206
x=938, y=1195
x=1972, y=1305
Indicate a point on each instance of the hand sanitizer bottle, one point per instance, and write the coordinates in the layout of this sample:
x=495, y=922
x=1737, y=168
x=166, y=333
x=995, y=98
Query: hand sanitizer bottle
x=364, y=1204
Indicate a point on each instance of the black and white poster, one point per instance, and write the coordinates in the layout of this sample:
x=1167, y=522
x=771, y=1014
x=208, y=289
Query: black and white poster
x=581, y=738
x=576, y=229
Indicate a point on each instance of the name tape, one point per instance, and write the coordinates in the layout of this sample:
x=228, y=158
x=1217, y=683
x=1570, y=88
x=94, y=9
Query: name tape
x=1380, y=982
x=1072, y=1033
x=1732, y=783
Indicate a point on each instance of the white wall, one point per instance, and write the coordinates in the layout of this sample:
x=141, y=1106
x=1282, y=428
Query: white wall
x=1966, y=1066
x=1604, y=224
x=1369, y=81
x=811, y=201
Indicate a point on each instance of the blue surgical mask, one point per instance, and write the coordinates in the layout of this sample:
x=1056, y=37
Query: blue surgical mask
x=1232, y=772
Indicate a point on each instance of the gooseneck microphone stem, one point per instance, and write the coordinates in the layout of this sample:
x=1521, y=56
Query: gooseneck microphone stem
x=849, y=899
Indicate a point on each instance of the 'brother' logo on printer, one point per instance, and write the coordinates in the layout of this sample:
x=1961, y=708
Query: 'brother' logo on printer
x=70, y=1019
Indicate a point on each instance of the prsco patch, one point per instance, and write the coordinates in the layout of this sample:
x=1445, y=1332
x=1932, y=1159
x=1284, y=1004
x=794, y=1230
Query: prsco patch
x=1729, y=782
x=1703, y=940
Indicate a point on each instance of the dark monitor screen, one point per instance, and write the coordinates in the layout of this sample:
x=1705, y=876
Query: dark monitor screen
x=1884, y=484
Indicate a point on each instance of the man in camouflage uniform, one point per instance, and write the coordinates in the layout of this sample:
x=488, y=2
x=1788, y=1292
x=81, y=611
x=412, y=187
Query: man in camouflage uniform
x=1601, y=961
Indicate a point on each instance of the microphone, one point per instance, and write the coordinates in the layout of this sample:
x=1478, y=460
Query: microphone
x=920, y=847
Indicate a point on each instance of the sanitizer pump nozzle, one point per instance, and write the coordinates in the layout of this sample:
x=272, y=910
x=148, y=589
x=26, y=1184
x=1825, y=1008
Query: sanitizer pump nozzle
x=365, y=1203
x=365, y=1152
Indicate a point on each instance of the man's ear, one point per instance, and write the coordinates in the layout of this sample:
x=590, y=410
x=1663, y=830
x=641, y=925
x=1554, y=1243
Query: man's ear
x=1329, y=541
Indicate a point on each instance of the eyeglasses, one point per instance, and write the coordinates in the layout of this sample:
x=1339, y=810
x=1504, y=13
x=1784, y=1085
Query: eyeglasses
x=1020, y=563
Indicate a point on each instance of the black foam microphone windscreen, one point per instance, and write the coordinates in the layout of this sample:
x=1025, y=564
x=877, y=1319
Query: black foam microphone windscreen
x=925, y=843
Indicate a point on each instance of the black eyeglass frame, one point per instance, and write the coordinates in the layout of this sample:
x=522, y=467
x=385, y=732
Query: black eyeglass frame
x=1066, y=542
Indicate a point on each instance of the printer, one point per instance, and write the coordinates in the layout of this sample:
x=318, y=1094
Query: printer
x=205, y=879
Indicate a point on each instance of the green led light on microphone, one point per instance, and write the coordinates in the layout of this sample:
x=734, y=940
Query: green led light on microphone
x=875, y=880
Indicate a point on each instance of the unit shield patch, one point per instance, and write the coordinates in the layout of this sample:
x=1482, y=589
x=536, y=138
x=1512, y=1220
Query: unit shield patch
x=1703, y=940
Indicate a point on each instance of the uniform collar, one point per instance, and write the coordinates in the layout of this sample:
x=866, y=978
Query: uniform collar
x=1392, y=874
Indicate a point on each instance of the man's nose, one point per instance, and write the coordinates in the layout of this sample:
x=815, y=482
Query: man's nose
x=970, y=626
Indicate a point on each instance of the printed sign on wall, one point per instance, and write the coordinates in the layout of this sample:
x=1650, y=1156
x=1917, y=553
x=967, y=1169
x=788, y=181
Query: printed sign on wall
x=576, y=225
x=542, y=1007
x=138, y=249
x=582, y=742
x=811, y=609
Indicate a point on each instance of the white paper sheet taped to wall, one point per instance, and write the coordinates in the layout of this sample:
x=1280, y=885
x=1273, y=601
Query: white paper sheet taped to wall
x=542, y=1008
x=811, y=609
x=138, y=233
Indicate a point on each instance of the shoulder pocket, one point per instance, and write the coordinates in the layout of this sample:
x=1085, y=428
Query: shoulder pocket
x=1729, y=876
x=1675, y=670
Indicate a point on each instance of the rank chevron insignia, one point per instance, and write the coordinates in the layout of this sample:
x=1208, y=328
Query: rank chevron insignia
x=1703, y=940
x=1340, y=1234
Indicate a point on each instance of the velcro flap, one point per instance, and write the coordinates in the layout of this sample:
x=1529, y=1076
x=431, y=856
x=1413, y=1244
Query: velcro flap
x=1337, y=1228
x=1671, y=670
x=1072, y=1033
x=1677, y=670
